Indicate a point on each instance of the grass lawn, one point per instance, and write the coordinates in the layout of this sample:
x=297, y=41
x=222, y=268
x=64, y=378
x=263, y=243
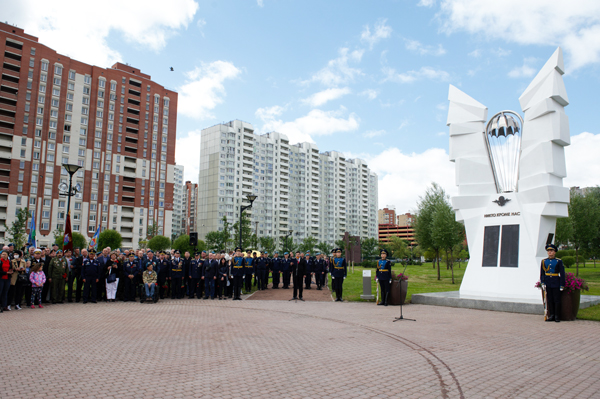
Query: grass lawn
x=424, y=279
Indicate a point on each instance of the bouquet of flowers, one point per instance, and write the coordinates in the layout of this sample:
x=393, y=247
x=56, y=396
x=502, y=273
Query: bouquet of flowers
x=400, y=277
x=573, y=283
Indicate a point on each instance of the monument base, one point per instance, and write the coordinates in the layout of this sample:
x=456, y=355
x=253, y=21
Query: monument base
x=455, y=300
x=367, y=297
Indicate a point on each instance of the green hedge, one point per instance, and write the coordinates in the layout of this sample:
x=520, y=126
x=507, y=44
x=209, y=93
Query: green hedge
x=568, y=261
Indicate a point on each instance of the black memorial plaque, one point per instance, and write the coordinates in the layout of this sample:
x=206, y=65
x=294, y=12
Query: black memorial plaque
x=509, y=252
x=491, y=238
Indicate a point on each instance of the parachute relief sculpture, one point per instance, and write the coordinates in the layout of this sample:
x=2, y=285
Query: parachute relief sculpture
x=509, y=173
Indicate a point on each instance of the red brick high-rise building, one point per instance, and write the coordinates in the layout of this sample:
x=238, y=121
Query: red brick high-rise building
x=116, y=123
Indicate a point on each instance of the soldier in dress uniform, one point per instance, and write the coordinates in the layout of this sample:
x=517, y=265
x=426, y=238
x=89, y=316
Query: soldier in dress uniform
x=57, y=276
x=90, y=272
x=203, y=261
x=299, y=274
x=248, y=270
x=131, y=270
x=195, y=275
x=286, y=270
x=177, y=271
x=237, y=271
x=276, y=266
x=261, y=265
x=552, y=277
x=338, y=274
x=163, y=273
x=309, y=269
x=319, y=270
x=384, y=276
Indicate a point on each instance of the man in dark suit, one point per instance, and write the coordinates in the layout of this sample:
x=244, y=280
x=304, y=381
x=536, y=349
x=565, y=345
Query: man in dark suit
x=299, y=274
x=102, y=261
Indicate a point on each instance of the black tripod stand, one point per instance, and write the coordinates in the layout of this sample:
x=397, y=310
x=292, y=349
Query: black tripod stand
x=401, y=317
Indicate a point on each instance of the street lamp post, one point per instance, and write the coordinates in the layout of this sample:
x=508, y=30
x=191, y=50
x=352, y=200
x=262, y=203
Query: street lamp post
x=251, y=198
x=69, y=191
x=286, y=239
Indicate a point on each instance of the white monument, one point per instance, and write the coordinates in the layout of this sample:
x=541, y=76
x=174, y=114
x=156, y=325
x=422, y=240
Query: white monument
x=509, y=175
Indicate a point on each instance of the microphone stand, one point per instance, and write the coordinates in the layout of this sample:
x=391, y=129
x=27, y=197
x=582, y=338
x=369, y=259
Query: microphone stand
x=400, y=284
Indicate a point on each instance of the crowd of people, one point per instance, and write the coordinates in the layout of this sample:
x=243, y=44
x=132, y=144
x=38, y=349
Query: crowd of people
x=49, y=275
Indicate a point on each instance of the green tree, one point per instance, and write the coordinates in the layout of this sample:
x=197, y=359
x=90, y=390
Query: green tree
x=59, y=237
x=182, y=244
x=142, y=244
x=584, y=215
x=308, y=244
x=424, y=220
x=398, y=247
x=324, y=248
x=564, y=231
x=287, y=244
x=219, y=240
x=79, y=240
x=152, y=230
x=159, y=243
x=368, y=247
x=246, y=232
x=266, y=244
x=341, y=244
x=254, y=241
x=17, y=232
x=446, y=231
x=109, y=238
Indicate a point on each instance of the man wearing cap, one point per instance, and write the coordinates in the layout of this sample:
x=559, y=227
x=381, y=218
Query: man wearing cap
x=552, y=277
x=91, y=275
x=176, y=276
x=309, y=269
x=338, y=274
x=163, y=273
x=276, y=266
x=384, y=276
x=286, y=270
x=132, y=272
x=237, y=271
x=195, y=274
x=248, y=271
x=57, y=275
x=11, y=251
x=319, y=270
x=261, y=265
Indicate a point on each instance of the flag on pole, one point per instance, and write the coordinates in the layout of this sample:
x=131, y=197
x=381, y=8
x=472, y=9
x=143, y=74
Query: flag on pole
x=68, y=239
x=94, y=240
x=32, y=231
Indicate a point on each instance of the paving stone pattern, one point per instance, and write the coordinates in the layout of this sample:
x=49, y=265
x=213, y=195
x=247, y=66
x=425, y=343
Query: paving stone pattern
x=255, y=349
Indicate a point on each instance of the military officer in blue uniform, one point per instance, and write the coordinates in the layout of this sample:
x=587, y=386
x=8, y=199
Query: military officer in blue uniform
x=163, y=272
x=90, y=272
x=318, y=270
x=237, y=271
x=131, y=270
x=248, y=270
x=276, y=265
x=338, y=274
x=286, y=270
x=176, y=274
x=195, y=274
x=552, y=277
x=384, y=277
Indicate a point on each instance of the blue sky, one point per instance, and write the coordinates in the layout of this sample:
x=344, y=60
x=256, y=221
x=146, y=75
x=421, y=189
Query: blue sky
x=369, y=79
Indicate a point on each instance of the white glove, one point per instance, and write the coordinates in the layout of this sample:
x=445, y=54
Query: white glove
x=544, y=286
x=344, y=278
x=390, y=281
x=562, y=288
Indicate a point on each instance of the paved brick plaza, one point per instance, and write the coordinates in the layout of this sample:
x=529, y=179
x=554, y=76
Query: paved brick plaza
x=280, y=349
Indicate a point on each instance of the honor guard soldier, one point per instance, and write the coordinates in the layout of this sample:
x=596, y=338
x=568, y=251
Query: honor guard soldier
x=309, y=270
x=237, y=271
x=90, y=271
x=248, y=271
x=338, y=274
x=286, y=270
x=163, y=272
x=176, y=275
x=132, y=272
x=195, y=275
x=57, y=276
x=552, y=277
x=384, y=276
x=319, y=270
x=276, y=266
x=299, y=274
x=261, y=265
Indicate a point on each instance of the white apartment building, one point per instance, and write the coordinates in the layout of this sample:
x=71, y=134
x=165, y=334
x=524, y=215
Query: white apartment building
x=297, y=187
x=178, y=202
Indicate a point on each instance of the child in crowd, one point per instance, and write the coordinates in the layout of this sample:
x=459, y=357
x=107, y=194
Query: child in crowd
x=37, y=278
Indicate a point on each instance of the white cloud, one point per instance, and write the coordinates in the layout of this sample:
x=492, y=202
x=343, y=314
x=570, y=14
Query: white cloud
x=442, y=106
x=426, y=3
x=403, y=124
x=475, y=53
x=80, y=31
x=575, y=27
x=369, y=93
x=524, y=71
x=315, y=123
x=416, y=46
x=374, y=133
x=338, y=71
x=187, y=154
x=381, y=31
x=325, y=96
x=260, y=3
x=412, y=76
x=405, y=177
x=204, y=89
x=583, y=164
